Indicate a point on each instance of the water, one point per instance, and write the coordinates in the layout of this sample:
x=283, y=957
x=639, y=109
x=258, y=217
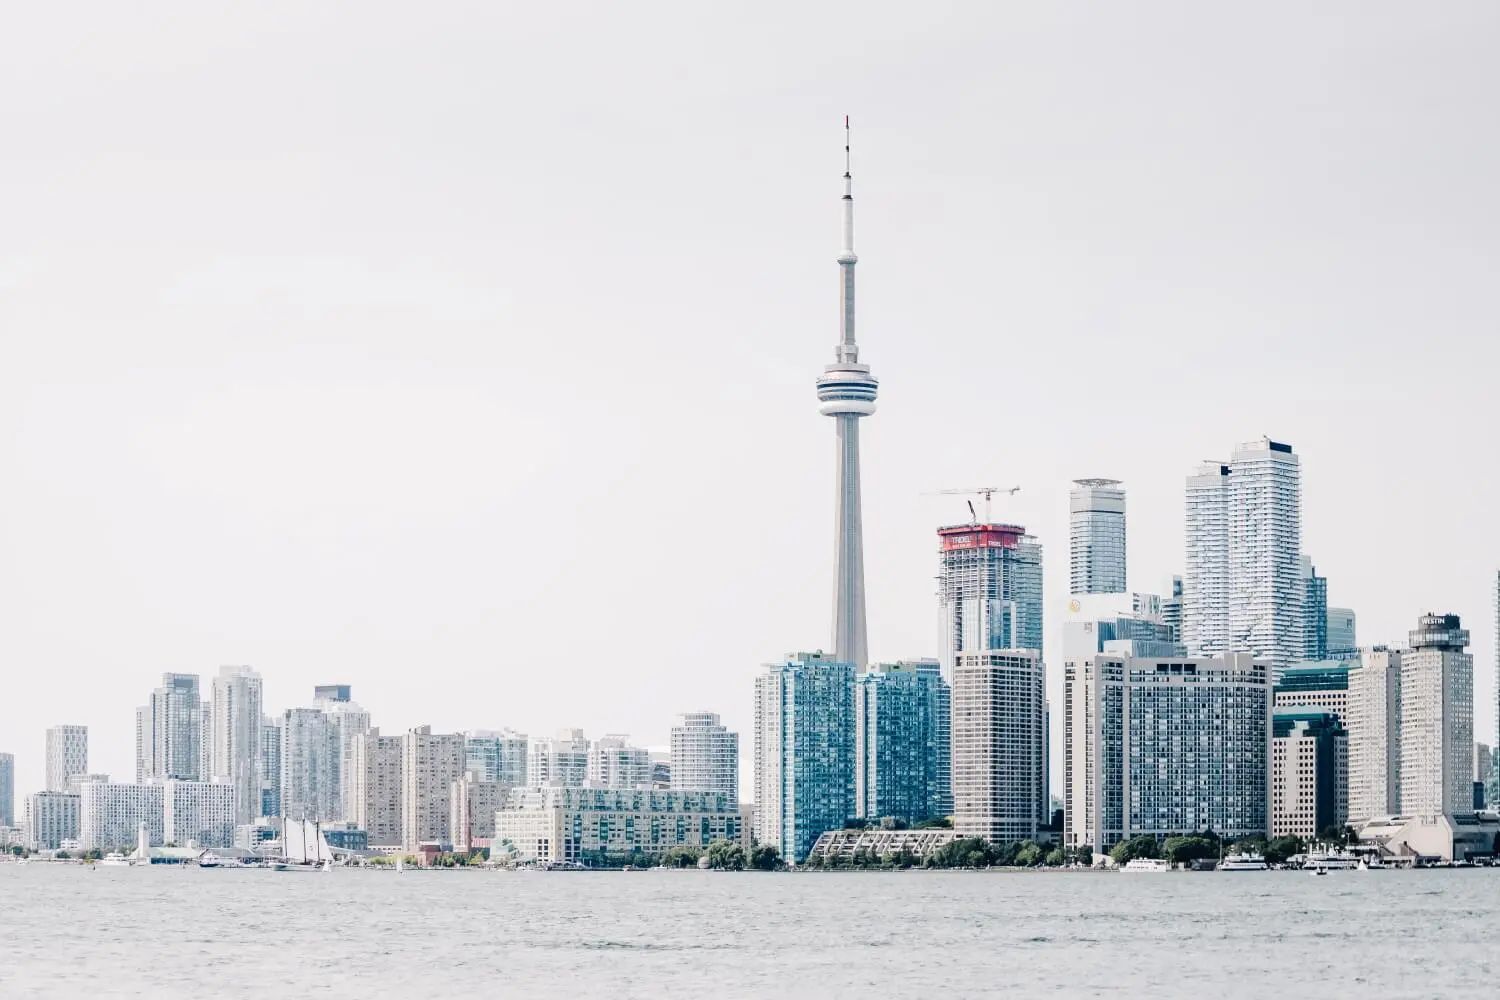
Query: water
x=67, y=931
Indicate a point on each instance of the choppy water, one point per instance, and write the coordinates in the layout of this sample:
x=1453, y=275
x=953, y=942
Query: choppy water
x=169, y=933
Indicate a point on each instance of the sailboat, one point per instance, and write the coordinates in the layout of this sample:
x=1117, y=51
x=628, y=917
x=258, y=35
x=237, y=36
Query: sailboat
x=303, y=847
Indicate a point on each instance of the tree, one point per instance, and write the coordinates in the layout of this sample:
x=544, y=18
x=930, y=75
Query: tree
x=1084, y=855
x=62, y=855
x=682, y=856
x=726, y=856
x=1186, y=850
x=1028, y=855
x=934, y=823
x=765, y=857
x=1143, y=846
x=1281, y=848
x=1056, y=858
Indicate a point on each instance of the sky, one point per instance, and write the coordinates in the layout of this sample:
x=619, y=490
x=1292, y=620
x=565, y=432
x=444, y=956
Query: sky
x=464, y=352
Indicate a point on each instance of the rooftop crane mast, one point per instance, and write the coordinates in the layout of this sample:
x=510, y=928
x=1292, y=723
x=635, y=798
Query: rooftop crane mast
x=982, y=491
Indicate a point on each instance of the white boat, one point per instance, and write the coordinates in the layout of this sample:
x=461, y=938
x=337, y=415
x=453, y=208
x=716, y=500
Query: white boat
x=1248, y=862
x=303, y=848
x=1373, y=861
x=1147, y=865
x=114, y=859
x=1332, y=861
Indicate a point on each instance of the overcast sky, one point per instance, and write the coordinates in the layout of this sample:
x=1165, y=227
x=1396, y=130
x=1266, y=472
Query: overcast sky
x=464, y=352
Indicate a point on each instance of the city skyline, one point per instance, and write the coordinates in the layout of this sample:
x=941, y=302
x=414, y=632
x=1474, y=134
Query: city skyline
x=234, y=449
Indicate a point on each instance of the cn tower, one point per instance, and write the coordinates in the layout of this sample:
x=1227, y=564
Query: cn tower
x=846, y=392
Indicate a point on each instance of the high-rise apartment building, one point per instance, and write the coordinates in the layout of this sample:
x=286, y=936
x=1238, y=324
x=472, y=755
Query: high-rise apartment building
x=705, y=756
x=1314, y=612
x=1437, y=719
x=205, y=742
x=270, y=766
x=1342, y=643
x=310, y=762
x=1096, y=537
x=804, y=751
x=235, y=723
x=1171, y=610
x=472, y=805
x=67, y=755
x=197, y=812
x=111, y=813
x=51, y=818
x=1243, y=590
x=846, y=392
x=348, y=721
x=901, y=753
x=1374, y=725
x=169, y=730
x=1309, y=789
x=562, y=760
x=998, y=736
x=1484, y=770
x=497, y=755
x=989, y=590
x=7, y=790
x=377, y=787
x=430, y=764
x=615, y=763
x=1166, y=745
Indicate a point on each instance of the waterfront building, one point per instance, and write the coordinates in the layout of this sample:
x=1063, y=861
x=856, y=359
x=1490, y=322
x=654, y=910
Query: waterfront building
x=348, y=721
x=879, y=842
x=169, y=730
x=1171, y=609
x=497, y=755
x=7, y=790
x=376, y=789
x=1484, y=768
x=562, y=760
x=1436, y=719
x=705, y=756
x=989, y=590
x=804, y=751
x=199, y=813
x=1243, y=590
x=51, y=818
x=110, y=814
x=1096, y=537
x=1374, y=725
x=614, y=763
x=558, y=824
x=1167, y=745
x=846, y=392
x=1309, y=789
x=235, y=722
x=998, y=732
x=901, y=730
x=67, y=755
x=472, y=805
x=310, y=762
x=430, y=763
x=1314, y=612
x=1458, y=837
x=270, y=766
x=1342, y=643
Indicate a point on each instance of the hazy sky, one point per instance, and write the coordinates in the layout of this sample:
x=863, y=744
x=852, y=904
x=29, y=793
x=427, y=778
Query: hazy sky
x=464, y=352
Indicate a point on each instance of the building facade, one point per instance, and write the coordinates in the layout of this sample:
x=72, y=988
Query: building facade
x=1342, y=642
x=1096, y=537
x=111, y=813
x=998, y=735
x=171, y=730
x=67, y=755
x=562, y=760
x=1374, y=725
x=377, y=787
x=1314, y=613
x=558, y=824
x=614, y=763
x=497, y=755
x=348, y=721
x=705, y=756
x=7, y=790
x=1436, y=719
x=270, y=766
x=311, y=757
x=1309, y=789
x=989, y=590
x=197, y=813
x=472, y=806
x=234, y=727
x=804, y=751
x=430, y=764
x=901, y=750
x=51, y=818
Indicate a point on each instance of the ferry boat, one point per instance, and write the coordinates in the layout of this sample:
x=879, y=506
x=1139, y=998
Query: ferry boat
x=1249, y=862
x=1332, y=861
x=1146, y=865
x=114, y=859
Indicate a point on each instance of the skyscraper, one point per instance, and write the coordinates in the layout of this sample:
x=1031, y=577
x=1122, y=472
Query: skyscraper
x=1096, y=537
x=1243, y=590
x=561, y=760
x=498, y=756
x=376, y=789
x=901, y=753
x=1437, y=719
x=705, y=756
x=1342, y=642
x=310, y=752
x=171, y=728
x=998, y=735
x=270, y=767
x=1374, y=725
x=846, y=392
x=348, y=721
x=989, y=590
x=430, y=764
x=7, y=790
x=615, y=763
x=67, y=755
x=804, y=751
x=1309, y=789
x=1314, y=612
x=1171, y=609
x=235, y=723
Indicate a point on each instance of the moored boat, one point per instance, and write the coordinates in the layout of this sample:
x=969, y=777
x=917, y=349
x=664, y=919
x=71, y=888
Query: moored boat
x=1146, y=866
x=1243, y=862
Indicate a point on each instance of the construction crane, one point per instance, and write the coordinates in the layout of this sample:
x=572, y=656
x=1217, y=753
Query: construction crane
x=979, y=491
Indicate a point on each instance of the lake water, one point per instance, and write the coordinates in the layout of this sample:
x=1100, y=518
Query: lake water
x=162, y=932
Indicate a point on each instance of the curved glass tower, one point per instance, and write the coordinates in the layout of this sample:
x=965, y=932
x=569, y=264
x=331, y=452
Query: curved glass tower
x=846, y=392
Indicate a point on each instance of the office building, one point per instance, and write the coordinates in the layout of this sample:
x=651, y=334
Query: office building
x=430, y=764
x=1167, y=745
x=804, y=751
x=110, y=815
x=234, y=726
x=901, y=752
x=1323, y=686
x=1342, y=643
x=197, y=813
x=376, y=791
x=1436, y=719
x=51, y=819
x=472, y=805
x=7, y=790
x=1374, y=725
x=270, y=766
x=557, y=824
x=1314, y=612
x=989, y=590
x=562, y=760
x=1096, y=537
x=1171, y=609
x=614, y=763
x=705, y=756
x=998, y=734
x=846, y=392
x=310, y=761
x=67, y=755
x=1309, y=789
x=1484, y=769
x=498, y=756
x=1243, y=589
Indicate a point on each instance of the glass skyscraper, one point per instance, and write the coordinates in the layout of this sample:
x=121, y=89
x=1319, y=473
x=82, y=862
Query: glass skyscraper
x=1314, y=612
x=1096, y=537
x=804, y=751
x=901, y=753
x=989, y=590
